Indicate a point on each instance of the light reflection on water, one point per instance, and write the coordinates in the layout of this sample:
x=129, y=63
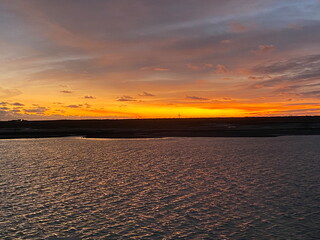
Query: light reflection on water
x=174, y=188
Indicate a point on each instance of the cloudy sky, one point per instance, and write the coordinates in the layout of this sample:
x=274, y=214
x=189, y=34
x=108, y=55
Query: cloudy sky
x=148, y=58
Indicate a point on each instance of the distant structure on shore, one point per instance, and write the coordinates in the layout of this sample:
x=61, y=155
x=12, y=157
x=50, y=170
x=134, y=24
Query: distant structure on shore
x=18, y=120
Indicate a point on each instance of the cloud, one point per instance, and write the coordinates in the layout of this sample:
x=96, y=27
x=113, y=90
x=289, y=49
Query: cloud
x=237, y=27
x=126, y=99
x=196, y=67
x=299, y=76
x=311, y=94
x=5, y=115
x=17, y=104
x=303, y=111
x=303, y=104
x=221, y=69
x=255, y=78
x=264, y=49
x=38, y=110
x=294, y=65
x=158, y=69
x=155, y=69
x=74, y=106
x=66, y=91
x=89, y=97
x=226, y=41
x=146, y=94
x=197, y=98
x=6, y=92
x=86, y=105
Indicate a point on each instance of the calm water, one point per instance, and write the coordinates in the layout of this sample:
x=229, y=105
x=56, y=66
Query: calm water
x=175, y=188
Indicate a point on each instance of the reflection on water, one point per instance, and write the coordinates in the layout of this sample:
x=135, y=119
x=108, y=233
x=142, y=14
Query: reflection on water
x=176, y=188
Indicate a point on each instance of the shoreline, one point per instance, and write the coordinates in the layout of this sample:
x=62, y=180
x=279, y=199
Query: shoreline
x=158, y=128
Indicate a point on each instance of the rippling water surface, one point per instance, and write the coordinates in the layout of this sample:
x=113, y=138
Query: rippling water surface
x=175, y=188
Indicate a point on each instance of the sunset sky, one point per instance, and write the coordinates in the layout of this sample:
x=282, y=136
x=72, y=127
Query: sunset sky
x=63, y=59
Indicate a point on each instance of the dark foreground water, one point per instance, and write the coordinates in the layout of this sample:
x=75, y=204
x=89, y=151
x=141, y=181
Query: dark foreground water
x=176, y=188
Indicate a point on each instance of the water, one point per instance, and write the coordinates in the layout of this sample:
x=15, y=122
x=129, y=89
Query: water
x=175, y=188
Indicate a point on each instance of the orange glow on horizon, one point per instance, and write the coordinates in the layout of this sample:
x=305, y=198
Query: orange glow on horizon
x=139, y=110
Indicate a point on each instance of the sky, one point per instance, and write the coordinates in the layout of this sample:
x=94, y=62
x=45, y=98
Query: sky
x=67, y=59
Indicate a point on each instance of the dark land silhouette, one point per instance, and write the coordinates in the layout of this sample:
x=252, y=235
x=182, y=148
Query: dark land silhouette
x=153, y=128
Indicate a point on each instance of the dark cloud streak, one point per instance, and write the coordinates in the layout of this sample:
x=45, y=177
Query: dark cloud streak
x=291, y=75
x=126, y=99
x=197, y=98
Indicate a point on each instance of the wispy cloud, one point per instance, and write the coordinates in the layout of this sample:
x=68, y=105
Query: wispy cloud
x=226, y=41
x=89, y=97
x=256, y=78
x=197, y=98
x=197, y=67
x=264, y=49
x=17, y=104
x=83, y=105
x=126, y=99
x=9, y=92
x=74, y=106
x=221, y=69
x=37, y=110
x=155, y=69
x=146, y=94
x=238, y=27
x=66, y=91
x=294, y=65
x=299, y=76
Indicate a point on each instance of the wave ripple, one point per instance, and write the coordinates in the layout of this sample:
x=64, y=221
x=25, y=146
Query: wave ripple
x=175, y=188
